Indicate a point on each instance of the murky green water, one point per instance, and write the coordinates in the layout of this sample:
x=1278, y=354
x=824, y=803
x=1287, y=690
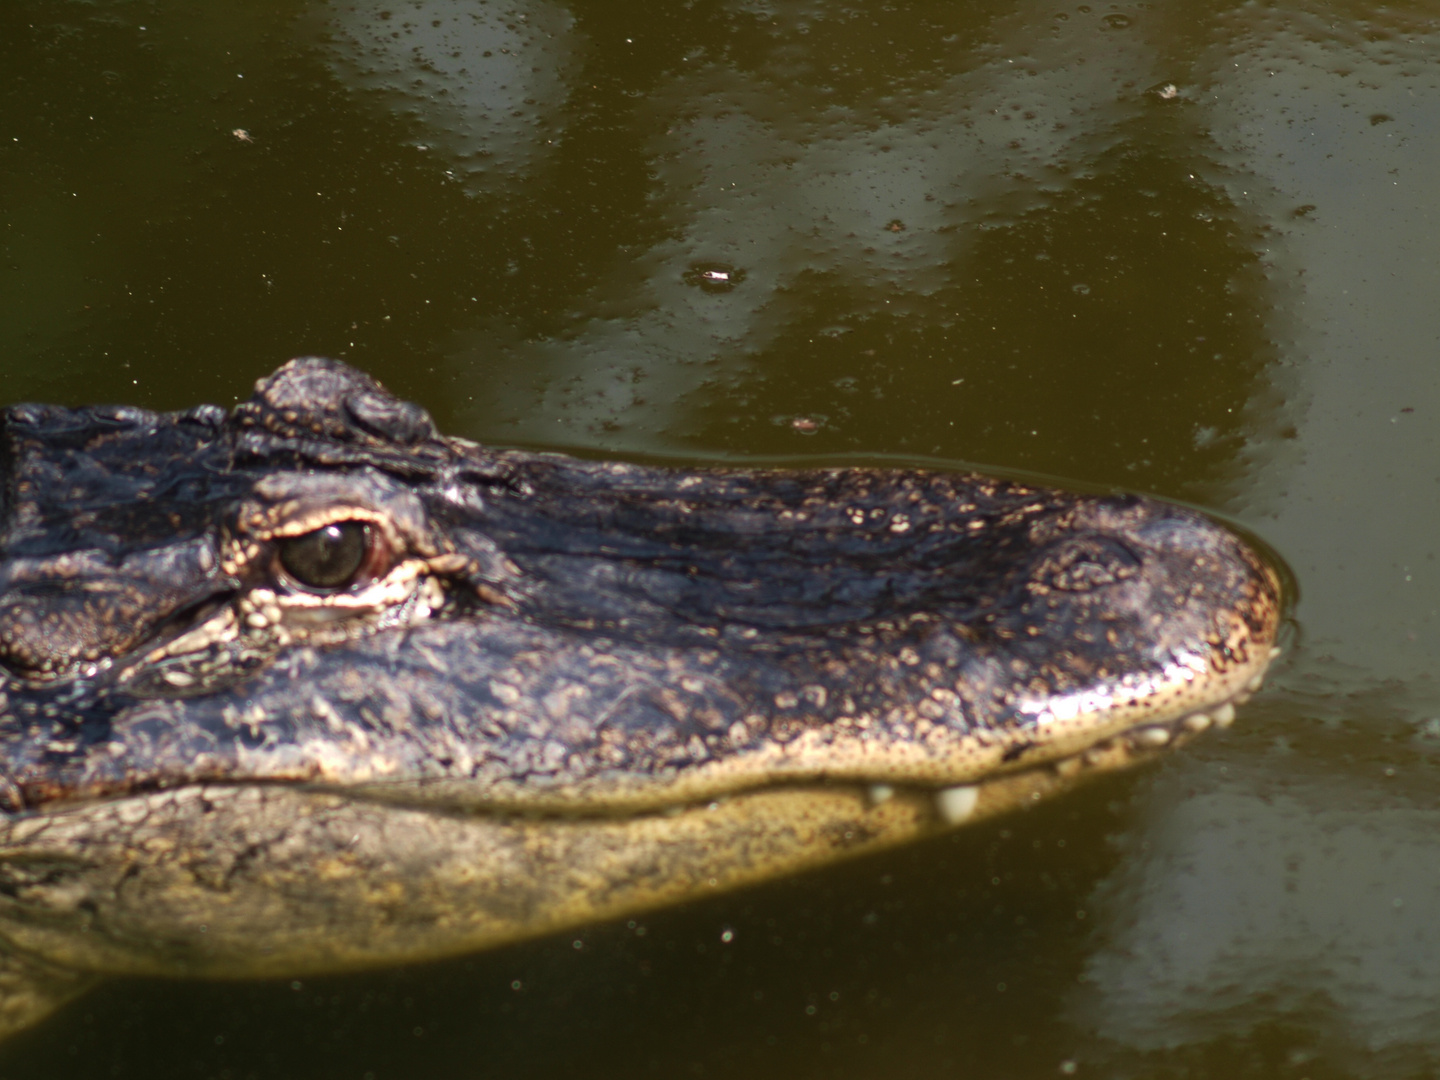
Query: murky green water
x=1181, y=247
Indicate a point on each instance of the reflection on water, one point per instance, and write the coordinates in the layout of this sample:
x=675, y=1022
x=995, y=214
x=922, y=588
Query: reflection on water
x=1325, y=863
x=484, y=83
x=940, y=223
x=1182, y=247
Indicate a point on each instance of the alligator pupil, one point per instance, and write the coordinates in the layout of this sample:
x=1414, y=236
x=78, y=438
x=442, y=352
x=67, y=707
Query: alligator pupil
x=329, y=557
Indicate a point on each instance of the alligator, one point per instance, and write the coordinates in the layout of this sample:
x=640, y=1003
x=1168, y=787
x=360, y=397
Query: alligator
x=307, y=686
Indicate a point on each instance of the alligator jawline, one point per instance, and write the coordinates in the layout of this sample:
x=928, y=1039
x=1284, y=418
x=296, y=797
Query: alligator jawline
x=953, y=803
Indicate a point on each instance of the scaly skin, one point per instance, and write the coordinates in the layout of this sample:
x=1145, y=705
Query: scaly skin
x=552, y=691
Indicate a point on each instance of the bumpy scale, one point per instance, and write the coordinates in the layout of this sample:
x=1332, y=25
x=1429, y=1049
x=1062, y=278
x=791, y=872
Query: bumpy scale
x=309, y=686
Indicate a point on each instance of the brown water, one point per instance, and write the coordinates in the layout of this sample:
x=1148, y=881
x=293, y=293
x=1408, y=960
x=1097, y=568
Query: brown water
x=1182, y=247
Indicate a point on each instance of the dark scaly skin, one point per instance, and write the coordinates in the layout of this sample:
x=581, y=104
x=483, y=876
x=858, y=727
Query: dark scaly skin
x=558, y=691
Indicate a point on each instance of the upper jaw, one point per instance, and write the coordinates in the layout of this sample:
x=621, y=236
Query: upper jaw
x=608, y=638
x=480, y=713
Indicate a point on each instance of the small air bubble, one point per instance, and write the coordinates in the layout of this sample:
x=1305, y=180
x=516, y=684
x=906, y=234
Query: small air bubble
x=714, y=277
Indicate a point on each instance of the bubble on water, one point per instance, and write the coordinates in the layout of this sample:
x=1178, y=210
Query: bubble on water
x=714, y=277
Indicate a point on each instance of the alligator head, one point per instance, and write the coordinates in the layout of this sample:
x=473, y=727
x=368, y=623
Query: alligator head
x=308, y=685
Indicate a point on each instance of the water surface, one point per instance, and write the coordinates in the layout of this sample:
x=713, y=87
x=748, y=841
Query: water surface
x=1185, y=248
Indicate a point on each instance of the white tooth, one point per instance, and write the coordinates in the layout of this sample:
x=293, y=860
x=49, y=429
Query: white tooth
x=879, y=793
x=1067, y=766
x=955, y=804
x=1152, y=736
x=1225, y=715
x=1197, y=721
x=1255, y=683
x=1274, y=651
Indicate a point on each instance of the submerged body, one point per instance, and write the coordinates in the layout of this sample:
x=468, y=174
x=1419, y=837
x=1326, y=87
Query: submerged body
x=308, y=686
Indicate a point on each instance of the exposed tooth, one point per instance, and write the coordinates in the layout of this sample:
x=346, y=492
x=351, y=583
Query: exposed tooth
x=1255, y=683
x=1241, y=698
x=1197, y=721
x=1225, y=715
x=1274, y=651
x=955, y=804
x=1067, y=766
x=879, y=793
x=1152, y=736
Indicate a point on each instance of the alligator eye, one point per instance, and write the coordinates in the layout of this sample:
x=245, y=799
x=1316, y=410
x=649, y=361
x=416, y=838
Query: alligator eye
x=331, y=557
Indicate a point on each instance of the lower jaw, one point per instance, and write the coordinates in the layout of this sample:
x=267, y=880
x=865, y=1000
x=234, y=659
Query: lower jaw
x=253, y=881
x=272, y=880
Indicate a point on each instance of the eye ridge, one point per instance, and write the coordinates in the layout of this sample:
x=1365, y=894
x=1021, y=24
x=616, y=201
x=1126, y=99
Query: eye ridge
x=329, y=558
